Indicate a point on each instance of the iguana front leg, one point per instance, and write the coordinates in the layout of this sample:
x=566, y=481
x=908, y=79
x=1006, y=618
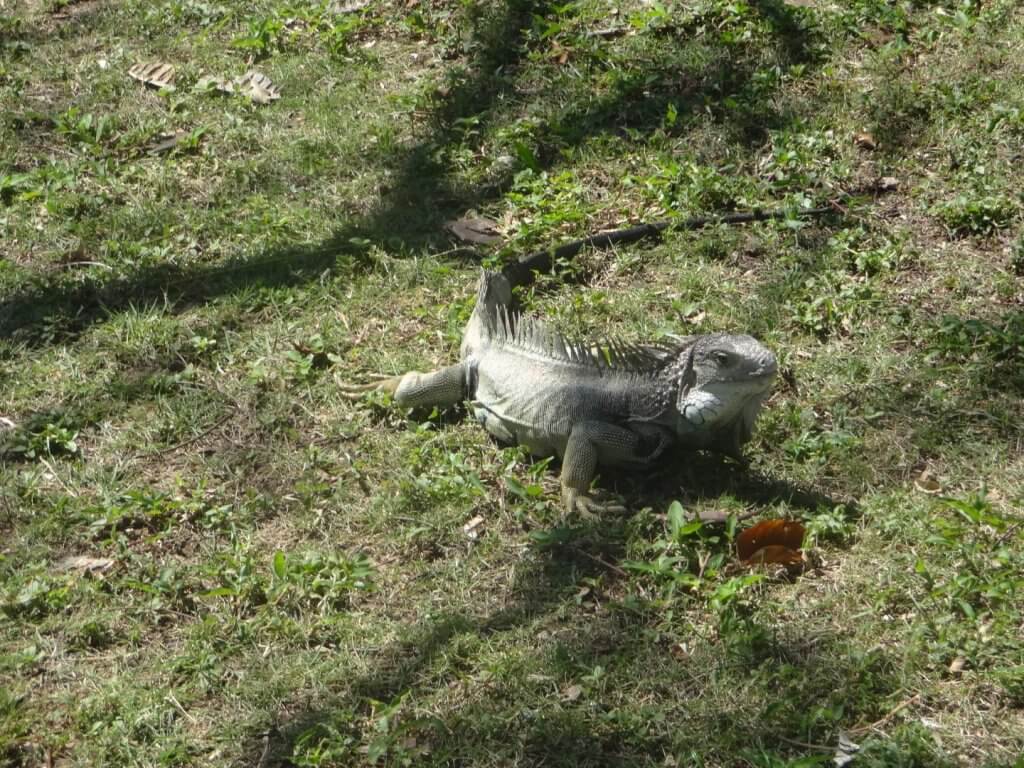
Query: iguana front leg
x=447, y=386
x=593, y=442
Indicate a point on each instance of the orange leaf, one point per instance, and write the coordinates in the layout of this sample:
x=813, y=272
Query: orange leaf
x=786, y=533
x=865, y=141
x=775, y=553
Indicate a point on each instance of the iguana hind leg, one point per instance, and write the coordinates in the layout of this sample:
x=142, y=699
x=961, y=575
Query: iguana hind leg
x=445, y=387
x=591, y=442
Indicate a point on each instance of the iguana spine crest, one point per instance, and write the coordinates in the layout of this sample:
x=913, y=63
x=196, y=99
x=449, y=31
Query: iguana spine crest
x=512, y=330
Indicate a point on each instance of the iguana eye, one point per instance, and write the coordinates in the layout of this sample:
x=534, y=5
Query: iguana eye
x=720, y=357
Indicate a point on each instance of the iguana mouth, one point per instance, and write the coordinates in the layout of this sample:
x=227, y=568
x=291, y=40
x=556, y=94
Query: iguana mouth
x=764, y=366
x=756, y=383
x=768, y=370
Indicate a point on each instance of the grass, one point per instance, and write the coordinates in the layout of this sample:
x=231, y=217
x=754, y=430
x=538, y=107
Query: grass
x=275, y=576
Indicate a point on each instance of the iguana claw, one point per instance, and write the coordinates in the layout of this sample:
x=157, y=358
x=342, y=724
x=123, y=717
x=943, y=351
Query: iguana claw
x=587, y=507
x=381, y=383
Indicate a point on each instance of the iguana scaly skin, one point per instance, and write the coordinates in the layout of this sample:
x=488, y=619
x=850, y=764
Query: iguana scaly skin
x=612, y=404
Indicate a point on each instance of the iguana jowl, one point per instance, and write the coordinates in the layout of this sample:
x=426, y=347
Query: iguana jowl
x=613, y=404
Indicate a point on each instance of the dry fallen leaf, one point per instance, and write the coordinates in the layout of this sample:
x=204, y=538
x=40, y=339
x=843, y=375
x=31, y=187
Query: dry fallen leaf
x=475, y=229
x=956, y=666
x=572, y=693
x=788, y=534
x=865, y=140
x=472, y=528
x=559, y=54
x=157, y=74
x=257, y=87
x=167, y=142
x=926, y=483
x=876, y=38
x=772, y=542
x=609, y=32
x=775, y=554
x=349, y=7
x=846, y=750
x=85, y=564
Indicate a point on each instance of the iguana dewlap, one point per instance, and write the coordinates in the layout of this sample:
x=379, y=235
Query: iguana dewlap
x=611, y=404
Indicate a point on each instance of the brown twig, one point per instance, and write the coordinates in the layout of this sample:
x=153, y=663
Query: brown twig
x=86, y=263
x=264, y=761
x=805, y=744
x=716, y=516
x=1008, y=534
x=185, y=443
x=57, y=477
x=171, y=698
x=891, y=714
x=601, y=561
x=521, y=272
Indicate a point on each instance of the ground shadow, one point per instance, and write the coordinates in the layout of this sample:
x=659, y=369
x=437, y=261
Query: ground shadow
x=553, y=710
x=698, y=475
x=423, y=194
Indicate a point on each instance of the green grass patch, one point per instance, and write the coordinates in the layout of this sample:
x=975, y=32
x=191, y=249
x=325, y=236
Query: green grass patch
x=210, y=558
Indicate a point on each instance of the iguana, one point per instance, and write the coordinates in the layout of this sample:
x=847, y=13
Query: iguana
x=613, y=403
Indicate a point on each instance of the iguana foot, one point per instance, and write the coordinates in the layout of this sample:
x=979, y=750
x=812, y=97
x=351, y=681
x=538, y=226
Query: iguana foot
x=586, y=506
x=382, y=383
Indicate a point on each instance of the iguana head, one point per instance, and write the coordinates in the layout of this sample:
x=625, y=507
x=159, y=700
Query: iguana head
x=725, y=379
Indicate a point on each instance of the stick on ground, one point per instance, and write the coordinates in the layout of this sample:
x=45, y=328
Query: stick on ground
x=521, y=272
